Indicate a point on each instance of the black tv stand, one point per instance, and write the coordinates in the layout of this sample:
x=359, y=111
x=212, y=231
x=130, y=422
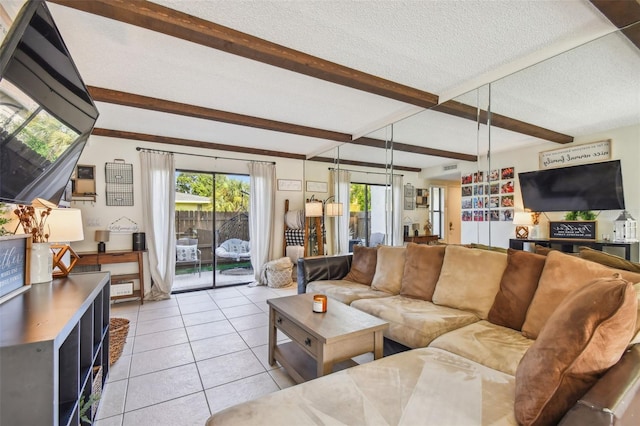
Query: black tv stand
x=571, y=246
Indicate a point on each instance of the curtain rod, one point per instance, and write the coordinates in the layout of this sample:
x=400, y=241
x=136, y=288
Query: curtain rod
x=139, y=148
x=360, y=171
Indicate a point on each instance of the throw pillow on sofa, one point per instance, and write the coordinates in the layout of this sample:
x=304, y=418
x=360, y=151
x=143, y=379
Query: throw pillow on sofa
x=517, y=287
x=421, y=270
x=562, y=274
x=608, y=259
x=586, y=335
x=363, y=265
x=469, y=279
x=389, y=269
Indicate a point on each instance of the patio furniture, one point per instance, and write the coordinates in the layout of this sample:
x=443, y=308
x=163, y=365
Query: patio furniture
x=187, y=253
x=235, y=249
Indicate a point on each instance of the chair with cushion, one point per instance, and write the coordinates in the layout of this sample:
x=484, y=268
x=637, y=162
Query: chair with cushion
x=376, y=239
x=187, y=253
x=234, y=248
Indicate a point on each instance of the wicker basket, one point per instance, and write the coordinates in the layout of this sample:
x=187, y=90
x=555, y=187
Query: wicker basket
x=96, y=389
x=118, y=331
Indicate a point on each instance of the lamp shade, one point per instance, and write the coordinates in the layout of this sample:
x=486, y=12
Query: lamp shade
x=522, y=218
x=65, y=225
x=102, y=236
x=313, y=209
x=334, y=209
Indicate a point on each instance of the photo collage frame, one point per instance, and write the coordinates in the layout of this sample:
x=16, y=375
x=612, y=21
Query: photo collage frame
x=488, y=196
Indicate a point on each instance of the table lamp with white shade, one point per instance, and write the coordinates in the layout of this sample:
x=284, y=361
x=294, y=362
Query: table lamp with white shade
x=65, y=226
x=523, y=221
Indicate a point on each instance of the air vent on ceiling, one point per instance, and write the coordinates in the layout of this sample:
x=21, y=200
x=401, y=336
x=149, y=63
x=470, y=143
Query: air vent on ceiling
x=449, y=167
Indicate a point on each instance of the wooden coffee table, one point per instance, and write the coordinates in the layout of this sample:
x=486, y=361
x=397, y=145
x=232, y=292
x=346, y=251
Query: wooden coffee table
x=319, y=341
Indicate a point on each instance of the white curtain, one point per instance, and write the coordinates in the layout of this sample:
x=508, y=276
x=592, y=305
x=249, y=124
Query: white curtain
x=341, y=186
x=158, y=206
x=394, y=219
x=262, y=206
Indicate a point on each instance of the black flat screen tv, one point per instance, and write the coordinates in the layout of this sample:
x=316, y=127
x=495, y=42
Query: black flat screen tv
x=595, y=186
x=46, y=113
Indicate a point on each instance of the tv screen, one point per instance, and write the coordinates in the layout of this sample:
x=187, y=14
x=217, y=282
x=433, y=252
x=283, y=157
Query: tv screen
x=595, y=186
x=46, y=113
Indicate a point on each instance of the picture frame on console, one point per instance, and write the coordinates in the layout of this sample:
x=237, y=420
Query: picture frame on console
x=14, y=265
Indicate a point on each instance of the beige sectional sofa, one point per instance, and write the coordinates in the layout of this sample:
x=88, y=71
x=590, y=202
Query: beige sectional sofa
x=492, y=338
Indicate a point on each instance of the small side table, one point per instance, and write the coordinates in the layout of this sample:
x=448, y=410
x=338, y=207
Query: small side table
x=118, y=256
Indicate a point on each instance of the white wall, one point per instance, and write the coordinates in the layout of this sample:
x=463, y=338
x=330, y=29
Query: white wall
x=97, y=216
x=625, y=146
x=317, y=171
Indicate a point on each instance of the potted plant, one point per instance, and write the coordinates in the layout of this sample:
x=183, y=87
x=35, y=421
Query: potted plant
x=587, y=215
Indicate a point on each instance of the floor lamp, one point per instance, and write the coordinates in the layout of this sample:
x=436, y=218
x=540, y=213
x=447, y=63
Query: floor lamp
x=313, y=209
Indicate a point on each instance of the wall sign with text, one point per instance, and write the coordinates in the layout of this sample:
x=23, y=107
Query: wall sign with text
x=14, y=262
x=573, y=230
x=574, y=155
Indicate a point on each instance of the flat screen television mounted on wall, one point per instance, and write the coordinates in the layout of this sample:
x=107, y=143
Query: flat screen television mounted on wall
x=46, y=113
x=595, y=186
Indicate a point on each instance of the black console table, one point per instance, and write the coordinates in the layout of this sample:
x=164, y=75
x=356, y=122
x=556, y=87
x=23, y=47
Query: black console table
x=571, y=246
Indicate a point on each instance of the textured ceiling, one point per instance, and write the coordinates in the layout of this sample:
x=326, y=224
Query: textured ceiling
x=437, y=46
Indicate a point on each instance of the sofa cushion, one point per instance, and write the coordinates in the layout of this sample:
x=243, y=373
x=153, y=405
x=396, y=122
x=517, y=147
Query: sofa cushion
x=542, y=250
x=492, y=345
x=608, y=259
x=586, y=335
x=421, y=270
x=412, y=322
x=417, y=387
x=517, y=287
x=389, y=269
x=562, y=274
x=344, y=291
x=486, y=247
x=363, y=265
x=469, y=279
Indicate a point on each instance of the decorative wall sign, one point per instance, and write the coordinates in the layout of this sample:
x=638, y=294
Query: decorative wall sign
x=124, y=225
x=289, y=185
x=579, y=154
x=573, y=230
x=316, y=186
x=14, y=262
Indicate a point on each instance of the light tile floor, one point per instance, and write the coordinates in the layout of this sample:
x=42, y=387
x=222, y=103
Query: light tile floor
x=191, y=356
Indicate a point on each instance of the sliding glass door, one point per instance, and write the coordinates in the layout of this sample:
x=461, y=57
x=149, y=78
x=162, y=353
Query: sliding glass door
x=212, y=230
x=367, y=215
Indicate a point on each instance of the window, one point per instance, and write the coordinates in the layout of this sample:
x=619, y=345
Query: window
x=437, y=210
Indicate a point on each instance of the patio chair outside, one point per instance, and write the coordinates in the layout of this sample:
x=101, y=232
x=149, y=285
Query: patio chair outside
x=188, y=253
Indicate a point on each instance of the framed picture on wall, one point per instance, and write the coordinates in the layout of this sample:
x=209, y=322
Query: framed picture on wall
x=313, y=186
x=289, y=185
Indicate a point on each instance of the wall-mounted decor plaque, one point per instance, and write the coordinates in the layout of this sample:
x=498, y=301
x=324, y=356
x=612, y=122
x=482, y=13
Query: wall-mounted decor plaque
x=573, y=230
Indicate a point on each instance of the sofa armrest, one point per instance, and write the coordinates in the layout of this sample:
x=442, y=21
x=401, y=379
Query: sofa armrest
x=614, y=399
x=322, y=268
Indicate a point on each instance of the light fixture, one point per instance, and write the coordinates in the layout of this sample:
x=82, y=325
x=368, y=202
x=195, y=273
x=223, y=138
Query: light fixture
x=522, y=220
x=313, y=208
x=625, y=228
x=65, y=226
x=102, y=237
x=332, y=209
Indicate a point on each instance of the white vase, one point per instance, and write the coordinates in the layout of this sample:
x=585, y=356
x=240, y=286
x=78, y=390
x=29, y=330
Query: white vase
x=41, y=263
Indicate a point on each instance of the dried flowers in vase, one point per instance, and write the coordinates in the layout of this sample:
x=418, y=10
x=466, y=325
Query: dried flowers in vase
x=33, y=222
